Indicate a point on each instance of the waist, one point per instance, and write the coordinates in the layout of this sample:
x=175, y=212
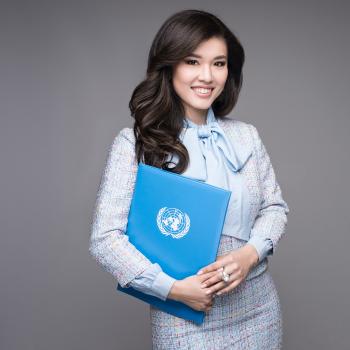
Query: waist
x=229, y=243
x=258, y=269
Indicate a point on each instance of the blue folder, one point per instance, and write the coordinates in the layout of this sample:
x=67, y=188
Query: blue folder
x=175, y=221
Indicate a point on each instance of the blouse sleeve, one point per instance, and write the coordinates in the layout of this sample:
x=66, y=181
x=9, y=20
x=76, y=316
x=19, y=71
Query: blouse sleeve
x=264, y=246
x=153, y=281
x=109, y=244
x=271, y=221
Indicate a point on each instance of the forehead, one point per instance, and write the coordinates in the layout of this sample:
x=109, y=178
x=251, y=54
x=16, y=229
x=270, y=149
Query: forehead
x=211, y=48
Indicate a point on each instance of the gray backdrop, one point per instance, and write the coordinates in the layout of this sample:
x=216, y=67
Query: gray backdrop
x=67, y=72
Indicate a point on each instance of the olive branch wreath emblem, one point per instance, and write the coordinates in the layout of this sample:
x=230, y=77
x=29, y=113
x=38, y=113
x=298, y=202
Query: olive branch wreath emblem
x=174, y=235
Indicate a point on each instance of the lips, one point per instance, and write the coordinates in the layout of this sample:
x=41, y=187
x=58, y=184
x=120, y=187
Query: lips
x=202, y=92
x=202, y=87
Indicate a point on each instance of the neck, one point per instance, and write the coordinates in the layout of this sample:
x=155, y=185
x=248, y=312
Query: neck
x=197, y=121
x=198, y=116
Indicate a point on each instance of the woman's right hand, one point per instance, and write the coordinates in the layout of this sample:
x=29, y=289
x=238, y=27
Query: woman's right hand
x=190, y=292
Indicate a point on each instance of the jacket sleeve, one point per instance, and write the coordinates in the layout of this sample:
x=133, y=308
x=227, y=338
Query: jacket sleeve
x=271, y=221
x=109, y=244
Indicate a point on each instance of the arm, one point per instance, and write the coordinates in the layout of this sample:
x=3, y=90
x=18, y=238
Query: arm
x=109, y=244
x=271, y=221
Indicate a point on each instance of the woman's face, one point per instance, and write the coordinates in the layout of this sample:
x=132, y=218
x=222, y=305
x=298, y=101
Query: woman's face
x=200, y=78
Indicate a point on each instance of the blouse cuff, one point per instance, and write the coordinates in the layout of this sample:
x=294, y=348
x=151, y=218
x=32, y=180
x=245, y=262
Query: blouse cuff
x=263, y=246
x=162, y=285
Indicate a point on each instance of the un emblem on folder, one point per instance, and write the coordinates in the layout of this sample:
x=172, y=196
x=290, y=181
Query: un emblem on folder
x=172, y=221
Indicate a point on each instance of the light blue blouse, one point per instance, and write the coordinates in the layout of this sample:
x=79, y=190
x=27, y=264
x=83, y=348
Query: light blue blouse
x=216, y=161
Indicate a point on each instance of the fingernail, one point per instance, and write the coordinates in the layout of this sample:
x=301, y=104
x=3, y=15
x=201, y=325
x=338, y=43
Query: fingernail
x=220, y=269
x=218, y=293
x=208, y=291
x=199, y=272
x=203, y=285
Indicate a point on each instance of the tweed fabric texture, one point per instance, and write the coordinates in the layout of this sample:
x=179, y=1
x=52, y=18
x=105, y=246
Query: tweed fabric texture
x=237, y=320
x=247, y=318
x=214, y=159
x=111, y=247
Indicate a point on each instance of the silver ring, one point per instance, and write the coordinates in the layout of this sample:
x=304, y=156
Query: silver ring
x=225, y=276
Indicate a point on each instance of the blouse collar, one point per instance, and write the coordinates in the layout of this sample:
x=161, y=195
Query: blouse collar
x=234, y=153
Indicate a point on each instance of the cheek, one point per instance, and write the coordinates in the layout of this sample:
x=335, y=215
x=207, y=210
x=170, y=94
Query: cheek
x=222, y=77
x=221, y=81
x=179, y=86
x=183, y=75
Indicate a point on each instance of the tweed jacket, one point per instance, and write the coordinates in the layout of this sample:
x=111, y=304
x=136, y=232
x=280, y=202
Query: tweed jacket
x=109, y=244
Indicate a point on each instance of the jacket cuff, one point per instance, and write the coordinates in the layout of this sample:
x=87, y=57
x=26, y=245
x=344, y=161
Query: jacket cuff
x=162, y=285
x=263, y=246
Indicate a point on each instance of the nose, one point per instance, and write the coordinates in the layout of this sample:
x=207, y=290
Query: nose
x=205, y=74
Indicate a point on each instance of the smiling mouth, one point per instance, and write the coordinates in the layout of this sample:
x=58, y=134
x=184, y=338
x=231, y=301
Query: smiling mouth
x=203, y=92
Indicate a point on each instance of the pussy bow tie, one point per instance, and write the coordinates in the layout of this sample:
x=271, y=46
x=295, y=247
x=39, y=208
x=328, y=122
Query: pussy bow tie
x=199, y=139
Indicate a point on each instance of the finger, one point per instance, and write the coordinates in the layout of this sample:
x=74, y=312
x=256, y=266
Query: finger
x=217, y=287
x=207, y=278
x=209, y=305
x=220, y=286
x=232, y=269
x=219, y=266
x=229, y=288
x=214, y=278
x=212, y=267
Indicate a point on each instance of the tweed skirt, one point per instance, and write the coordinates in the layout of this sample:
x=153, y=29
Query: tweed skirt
x=247, y=318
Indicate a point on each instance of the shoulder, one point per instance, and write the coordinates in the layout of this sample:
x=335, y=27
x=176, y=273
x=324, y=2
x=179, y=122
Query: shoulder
x=121, y=150
x=125, y=137
x=122, y=144
x=242, y=128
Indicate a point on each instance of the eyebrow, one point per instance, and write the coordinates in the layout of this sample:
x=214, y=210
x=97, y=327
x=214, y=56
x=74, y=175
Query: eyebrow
x=199, y=56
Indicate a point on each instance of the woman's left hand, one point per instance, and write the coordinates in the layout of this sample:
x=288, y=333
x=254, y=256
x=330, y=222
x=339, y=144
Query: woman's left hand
x=237, y=264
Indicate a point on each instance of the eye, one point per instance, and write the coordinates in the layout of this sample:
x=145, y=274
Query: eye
x=222, y=63
x=193, y=62
x=190, y=61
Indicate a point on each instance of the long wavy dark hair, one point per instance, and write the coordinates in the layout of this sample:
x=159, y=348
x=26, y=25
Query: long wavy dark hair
x=155, y=106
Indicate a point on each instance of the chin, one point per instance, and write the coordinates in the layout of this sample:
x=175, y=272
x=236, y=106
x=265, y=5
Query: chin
x=200, y=104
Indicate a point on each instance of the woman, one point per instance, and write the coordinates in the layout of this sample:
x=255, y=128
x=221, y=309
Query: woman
x=194, y=76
